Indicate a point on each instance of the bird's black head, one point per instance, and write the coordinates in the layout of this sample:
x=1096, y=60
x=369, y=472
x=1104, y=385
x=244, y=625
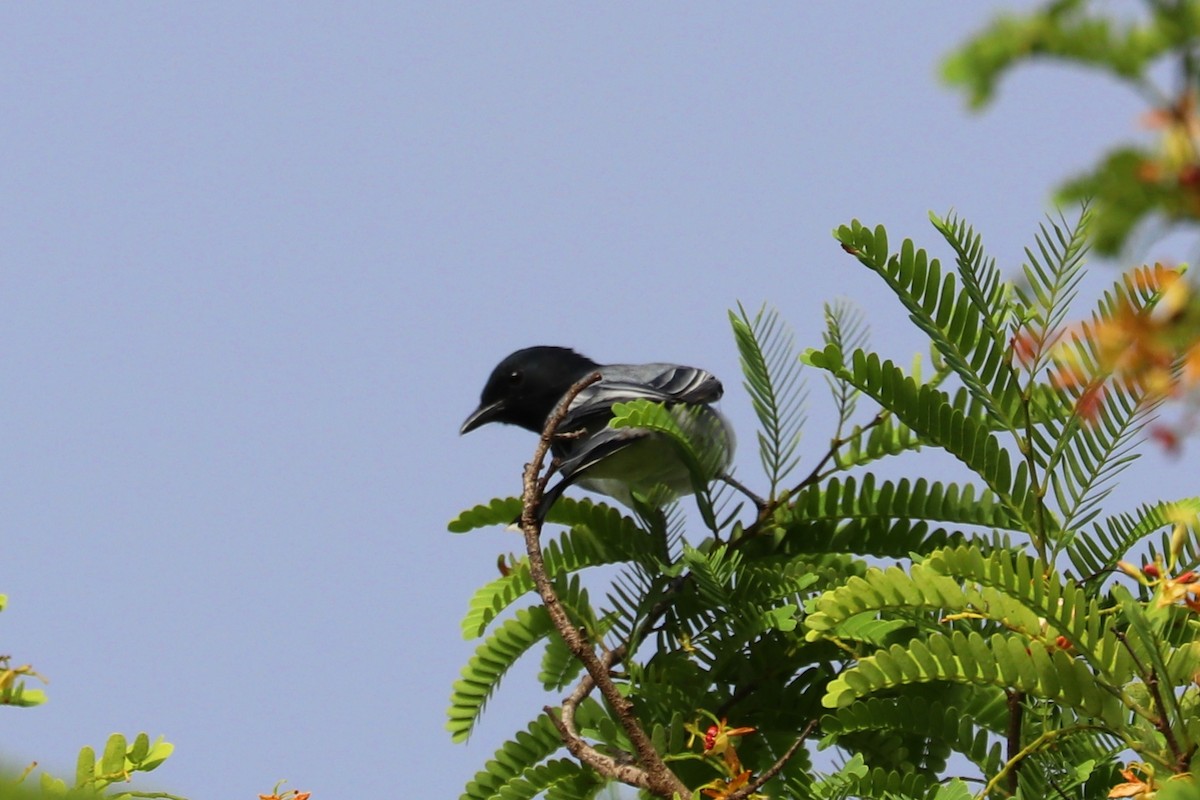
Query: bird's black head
x=524, y=388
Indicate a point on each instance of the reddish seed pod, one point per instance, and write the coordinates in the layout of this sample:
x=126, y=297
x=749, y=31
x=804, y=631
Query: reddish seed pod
x=1062, y=643
x=1187, y=577
x=710, y=737
x=1150, y=570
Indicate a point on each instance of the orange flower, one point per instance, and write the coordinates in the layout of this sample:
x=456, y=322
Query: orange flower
x=1185, y=588
x=1191, y=366
x=290, y=794
x=721, y=788
x=716, y=737
x=718, y=740
x=1180, y=128
x=1026, y=346
x=1167, y=437
x=1134, y=786
x=1149, y=171
x=1137, y=346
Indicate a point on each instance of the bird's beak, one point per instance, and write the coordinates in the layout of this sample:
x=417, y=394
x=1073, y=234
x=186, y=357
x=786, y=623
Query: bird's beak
x=482, y=416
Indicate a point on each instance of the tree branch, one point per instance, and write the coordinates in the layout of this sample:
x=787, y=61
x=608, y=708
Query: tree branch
x=653, y=774
x=1159, y=719
x=565, y=723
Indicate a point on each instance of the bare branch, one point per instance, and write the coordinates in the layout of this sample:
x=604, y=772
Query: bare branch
x=604, y=764
x=653, y=774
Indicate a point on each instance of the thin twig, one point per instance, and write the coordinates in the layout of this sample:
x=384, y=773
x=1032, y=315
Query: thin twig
x=653, y=774
x=834, y=446
x=1047, y=738
x=766, y=511
x=774, y=769
x=759, y=502
x=1150, y=679
x=1015, y=713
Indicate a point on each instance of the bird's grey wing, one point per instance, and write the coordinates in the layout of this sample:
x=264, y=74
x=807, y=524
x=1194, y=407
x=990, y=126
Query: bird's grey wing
x=667, y=383
x=621, y=383
x=577, y=456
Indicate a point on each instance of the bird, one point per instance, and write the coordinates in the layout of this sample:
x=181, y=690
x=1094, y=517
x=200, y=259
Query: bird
x=626, y=464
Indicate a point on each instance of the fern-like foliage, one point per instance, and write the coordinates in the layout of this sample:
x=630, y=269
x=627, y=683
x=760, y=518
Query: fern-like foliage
x=1085, y=458
x=846, y=330
x=1094, y=554
x=772, y=369
x=699, y=438
x=516, y=771
x=999, y=623
x=1052, y=274
x=962, y=322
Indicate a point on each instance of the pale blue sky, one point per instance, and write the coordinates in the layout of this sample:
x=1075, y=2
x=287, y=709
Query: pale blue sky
x=257, y=260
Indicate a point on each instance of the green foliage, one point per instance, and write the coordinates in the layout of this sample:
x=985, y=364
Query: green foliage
x=1132, y=184
x=1065, y=30
x=94, y=776
x=772, y=372
x=106, y=774
x=916, y=622
x=697, y=437
x=519, y=770
x=13, y=691
x=118, y=760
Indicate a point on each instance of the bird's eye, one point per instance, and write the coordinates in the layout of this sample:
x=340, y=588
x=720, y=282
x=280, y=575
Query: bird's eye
x=515, y=377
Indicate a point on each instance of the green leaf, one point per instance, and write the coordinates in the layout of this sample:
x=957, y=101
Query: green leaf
x=55, y=787
x=963, y=324
x=1052, y=276
x=772, y=379
x=500, y=511
x=701, y=440
x=159, y=752
x=931, y=414
x=917, y=716
x=1065, y=31
x=1098, y=550
x=112, y=763
x=846, y=330
x=139, y=750
x=888, y=518
x=599, y=535
x=85, y=767
x=1003, y=661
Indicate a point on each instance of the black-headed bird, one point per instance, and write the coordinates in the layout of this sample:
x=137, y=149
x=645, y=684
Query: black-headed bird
x=525, y=387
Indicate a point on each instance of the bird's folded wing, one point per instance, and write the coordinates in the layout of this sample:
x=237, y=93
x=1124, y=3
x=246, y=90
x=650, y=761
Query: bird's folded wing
x=595, y=448
x=661, y=383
